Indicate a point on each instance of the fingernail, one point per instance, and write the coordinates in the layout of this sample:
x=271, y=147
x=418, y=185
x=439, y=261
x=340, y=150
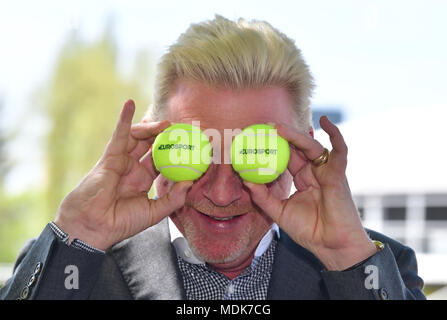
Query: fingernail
x=272, y=124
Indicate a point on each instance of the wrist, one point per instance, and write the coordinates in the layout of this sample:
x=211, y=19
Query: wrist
x=76, y=230
x=379, y=246
x=348, y=256
x=77, y=243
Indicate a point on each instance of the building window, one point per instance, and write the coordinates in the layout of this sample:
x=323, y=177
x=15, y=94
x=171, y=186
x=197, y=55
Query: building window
x=398, y=213
x=361, y=213
x=436, y=213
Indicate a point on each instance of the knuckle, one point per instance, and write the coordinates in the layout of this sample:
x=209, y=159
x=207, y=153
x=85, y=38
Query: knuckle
x=117, y=163
x=343, y=148
x=337, y=131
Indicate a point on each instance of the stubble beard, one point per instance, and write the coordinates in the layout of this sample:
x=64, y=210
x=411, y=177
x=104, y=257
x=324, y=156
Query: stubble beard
x=212, y=251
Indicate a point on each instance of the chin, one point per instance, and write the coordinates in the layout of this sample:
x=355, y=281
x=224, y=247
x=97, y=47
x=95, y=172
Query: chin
x=217, y=246
x=217, y=249
x=218, y=252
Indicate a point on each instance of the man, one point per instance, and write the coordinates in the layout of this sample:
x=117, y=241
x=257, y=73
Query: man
x=225, y=238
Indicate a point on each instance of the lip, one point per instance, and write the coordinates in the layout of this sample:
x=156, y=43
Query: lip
x=219, y=216
x=220, y=226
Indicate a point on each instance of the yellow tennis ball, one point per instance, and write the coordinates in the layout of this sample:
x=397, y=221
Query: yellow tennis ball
x=182, y=152
x=259, y=154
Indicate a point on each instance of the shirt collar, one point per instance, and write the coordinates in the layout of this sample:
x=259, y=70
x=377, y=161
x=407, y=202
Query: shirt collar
x=184, y=251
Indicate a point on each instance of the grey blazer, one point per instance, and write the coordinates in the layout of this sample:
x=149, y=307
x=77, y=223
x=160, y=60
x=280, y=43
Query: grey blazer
x=145, y=267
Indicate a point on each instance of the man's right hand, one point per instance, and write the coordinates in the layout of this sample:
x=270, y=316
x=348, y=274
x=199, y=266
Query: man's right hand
x=111, y=203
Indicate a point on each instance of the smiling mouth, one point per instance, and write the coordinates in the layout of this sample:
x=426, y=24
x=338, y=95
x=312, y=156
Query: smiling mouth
x=220, y=218
x=224, y=214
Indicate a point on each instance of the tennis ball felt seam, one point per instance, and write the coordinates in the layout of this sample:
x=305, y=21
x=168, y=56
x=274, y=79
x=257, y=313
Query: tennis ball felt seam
x=259, y=155
x=185, y=143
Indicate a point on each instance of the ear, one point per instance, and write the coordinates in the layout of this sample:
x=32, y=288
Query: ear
x=311, y=132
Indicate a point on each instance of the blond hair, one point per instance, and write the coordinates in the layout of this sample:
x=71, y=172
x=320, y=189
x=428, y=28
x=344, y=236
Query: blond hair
x=238, y=55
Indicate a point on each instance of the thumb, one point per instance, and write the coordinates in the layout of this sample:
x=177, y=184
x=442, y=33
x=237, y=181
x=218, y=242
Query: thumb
x=265, y=200
x=170, y=202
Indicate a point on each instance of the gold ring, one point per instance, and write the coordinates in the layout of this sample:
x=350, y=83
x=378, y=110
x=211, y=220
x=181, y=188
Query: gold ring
x=321, y=159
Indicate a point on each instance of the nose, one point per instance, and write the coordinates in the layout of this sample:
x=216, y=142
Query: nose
x=222, y=185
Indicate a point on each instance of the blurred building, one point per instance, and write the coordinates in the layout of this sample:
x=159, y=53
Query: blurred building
x=397, y=175
x=334, y=114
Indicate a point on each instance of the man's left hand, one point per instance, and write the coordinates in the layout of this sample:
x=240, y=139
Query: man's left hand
x=321, y=215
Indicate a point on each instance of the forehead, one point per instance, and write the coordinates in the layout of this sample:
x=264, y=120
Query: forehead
x=223, y=108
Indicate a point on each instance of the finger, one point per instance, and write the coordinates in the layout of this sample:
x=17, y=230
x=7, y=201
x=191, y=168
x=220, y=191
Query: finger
x=118, y=142
x=132, y=143
x=138, y=143
x=337, y=140
x=148, y=163
x=140, y=149
x=297, y=161
x=170, y=202
x=339, y=154
x=301, y=169
x=265, y=200
x=143, y=135
x=141, y=179
x=149, y=130
x=306, y=178
x=304, y=142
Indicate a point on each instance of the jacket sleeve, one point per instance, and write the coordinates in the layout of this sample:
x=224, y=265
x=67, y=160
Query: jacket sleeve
x=385, y=275
x=47, y=268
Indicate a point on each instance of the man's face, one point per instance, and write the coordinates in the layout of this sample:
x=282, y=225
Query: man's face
x=220, y=192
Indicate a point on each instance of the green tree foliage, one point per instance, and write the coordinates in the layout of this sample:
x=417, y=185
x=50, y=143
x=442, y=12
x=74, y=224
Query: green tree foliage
x=85, y=96
x=22, y=217
x=82, y=100
x=5, y=163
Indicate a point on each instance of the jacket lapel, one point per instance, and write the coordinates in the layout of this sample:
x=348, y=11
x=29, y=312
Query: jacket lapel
x=149, y=265
x=296, y=273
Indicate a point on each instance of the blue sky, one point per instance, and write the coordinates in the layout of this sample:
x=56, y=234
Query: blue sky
x=366, y=56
